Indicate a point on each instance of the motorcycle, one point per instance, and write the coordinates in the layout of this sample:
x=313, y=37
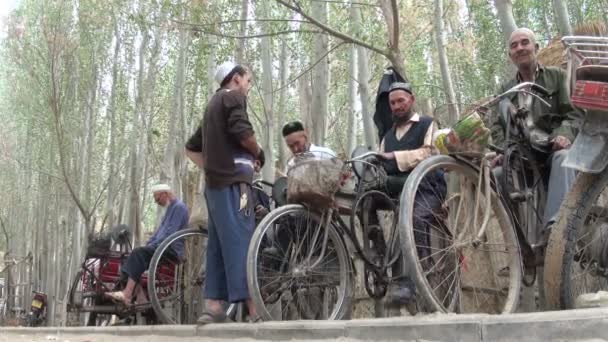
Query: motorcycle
x=576, y=261
x=37, y=315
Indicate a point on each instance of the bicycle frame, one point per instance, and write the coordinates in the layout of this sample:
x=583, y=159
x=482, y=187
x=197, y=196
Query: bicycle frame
x=349, y=230
x=486, y=181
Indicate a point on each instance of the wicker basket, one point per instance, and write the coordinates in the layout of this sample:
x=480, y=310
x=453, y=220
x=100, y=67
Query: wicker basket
x=314, y=181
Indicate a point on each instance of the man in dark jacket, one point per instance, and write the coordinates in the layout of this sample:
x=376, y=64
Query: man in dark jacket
x=226, y=148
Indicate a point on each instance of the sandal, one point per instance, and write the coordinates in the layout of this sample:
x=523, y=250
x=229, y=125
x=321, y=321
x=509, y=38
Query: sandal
x=257, y=319
x=209, y=317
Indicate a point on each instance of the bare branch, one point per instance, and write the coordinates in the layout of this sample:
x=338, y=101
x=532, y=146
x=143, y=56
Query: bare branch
x=332, y=32
x=233, y=21
x=293, y=80
x=395, y=24
x=5, y=232
x=346, y=3
x=270, y=34
x=24, y=165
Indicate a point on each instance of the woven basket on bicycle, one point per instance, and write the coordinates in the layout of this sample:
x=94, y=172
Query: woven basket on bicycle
x=314, y=180
x=469, y=136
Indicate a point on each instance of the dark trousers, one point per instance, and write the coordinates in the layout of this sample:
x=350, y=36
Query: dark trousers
x=427, y=205
x=138, y=262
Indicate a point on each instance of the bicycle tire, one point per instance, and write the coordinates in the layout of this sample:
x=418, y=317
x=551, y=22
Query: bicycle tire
x=162, y=316
x=344, y=294
x=468, y=275
x=562, y=247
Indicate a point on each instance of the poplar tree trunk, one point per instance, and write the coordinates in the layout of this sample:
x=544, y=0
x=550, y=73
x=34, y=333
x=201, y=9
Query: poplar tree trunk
x=562, y=18
x=240, y=50
x=320, y=81
x=504, y=11
x=267, y=96
x=112, y=117
x=174, y=164
x=283, y=63
x=446, y=76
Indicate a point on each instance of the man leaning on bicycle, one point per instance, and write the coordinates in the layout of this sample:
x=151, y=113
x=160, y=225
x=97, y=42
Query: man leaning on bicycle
x=552, y=129
x=403, y=147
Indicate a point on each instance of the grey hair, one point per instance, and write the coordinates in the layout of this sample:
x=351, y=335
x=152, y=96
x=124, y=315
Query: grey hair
x=525, y=31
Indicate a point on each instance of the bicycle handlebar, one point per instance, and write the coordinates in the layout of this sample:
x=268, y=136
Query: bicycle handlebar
x=261, y=181
x=524, y=87
x=362, y=157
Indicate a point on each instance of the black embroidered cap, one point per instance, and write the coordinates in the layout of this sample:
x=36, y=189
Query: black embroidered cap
x=292, y=127
x=400, y=86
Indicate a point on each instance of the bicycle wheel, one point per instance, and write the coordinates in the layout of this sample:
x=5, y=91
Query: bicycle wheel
x=576, y=260
x=455, y=271
x=175, y=282
x=82, y=298
x=523, y=185
x=292, y=274
x=525, y=191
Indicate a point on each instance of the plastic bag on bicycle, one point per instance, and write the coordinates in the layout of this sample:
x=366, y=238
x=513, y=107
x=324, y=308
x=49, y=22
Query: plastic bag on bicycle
x=468, y=135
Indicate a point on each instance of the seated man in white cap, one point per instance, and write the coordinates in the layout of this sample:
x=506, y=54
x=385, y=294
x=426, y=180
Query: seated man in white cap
x=176, y=217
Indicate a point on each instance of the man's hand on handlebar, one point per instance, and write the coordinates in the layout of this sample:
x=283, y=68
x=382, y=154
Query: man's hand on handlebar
x=387, y=155
x=561, y=143
x=497, y=161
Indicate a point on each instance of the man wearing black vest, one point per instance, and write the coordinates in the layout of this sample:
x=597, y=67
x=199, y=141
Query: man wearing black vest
x=405, y=145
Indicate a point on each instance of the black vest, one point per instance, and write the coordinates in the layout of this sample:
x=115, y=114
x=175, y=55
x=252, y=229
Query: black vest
x=412, y=140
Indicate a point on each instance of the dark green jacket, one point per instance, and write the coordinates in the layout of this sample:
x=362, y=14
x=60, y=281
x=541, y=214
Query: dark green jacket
x=557, y=120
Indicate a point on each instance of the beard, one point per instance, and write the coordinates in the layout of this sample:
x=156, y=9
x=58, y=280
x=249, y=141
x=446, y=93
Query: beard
x=401, y=119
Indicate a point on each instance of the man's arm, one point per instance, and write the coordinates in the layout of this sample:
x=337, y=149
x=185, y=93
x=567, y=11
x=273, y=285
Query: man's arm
x=567, y=129
x=196, y=158
x=250, y=143
x=238, y=123
x=194, y=147
x=407, y=160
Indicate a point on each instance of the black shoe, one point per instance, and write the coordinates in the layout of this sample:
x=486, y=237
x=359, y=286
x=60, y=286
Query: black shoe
x=401, y=293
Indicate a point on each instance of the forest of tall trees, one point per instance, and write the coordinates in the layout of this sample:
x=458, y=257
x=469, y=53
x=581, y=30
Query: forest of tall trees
x=97, y=98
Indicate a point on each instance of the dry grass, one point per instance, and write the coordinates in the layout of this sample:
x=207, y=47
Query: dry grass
x=553, y=54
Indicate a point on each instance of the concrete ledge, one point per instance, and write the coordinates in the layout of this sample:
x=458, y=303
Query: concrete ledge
x=570, y=325
x=567, y=325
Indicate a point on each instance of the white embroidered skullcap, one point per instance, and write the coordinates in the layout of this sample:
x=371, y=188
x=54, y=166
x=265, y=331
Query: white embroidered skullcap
x=223, y=70
x=160, y=187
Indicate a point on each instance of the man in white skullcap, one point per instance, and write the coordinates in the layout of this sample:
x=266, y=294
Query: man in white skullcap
x=225, y=146
x=175, y=218
x=552, y=128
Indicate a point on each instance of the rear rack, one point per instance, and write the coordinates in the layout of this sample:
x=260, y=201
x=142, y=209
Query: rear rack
x=587, y=49
x=588, y=71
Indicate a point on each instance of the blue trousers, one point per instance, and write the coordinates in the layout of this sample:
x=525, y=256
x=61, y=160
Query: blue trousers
x=230, y=230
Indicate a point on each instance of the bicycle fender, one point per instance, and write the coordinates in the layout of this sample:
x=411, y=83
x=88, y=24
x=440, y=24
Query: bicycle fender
x=589, y=152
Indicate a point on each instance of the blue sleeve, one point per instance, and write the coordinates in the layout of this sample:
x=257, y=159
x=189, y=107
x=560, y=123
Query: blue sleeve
x=176, y=220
